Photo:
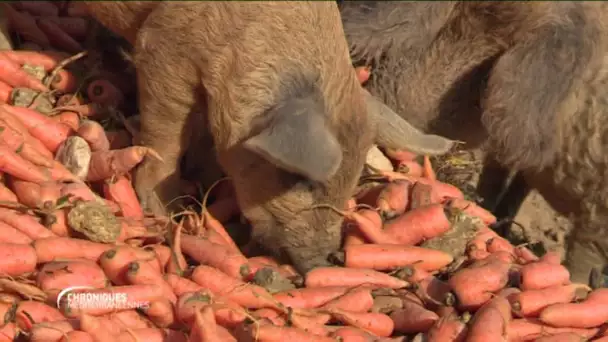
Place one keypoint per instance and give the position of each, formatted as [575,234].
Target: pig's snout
[307,258]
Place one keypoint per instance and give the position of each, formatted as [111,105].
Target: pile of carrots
[69,216]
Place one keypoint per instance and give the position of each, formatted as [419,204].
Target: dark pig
[528,81]
[290,123]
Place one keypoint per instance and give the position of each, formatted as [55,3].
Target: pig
[526,81]
[273,84]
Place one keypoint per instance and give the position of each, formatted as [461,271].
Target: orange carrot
[47,59]
[377,323]
[413,318]
[552,257]
[590,313]
[163,255]
[433,291]
[9,234]
[337,276]
[50,249]
[160,313]
[525,255]
[528,329]
[449,327]
[421,195]
[247,295]
[491,321]
[309,298]
[530,303]
[6,194]
[17,259]
[25,25]
[94,134]
[350,334]
[472,209]
[363,73]
[310,323]
[410,168]
[130,319]
[205,326]
[151,335]
[30,312]
[15,165]
[27,193]
[69,119]
[539,275]
[5,92]
[264,331]
[214,224]
[272,315]
[562,337]
[228,261]
[120,190]
[419,224]
[227,313]
[499,244]
[394,198]
[474,286]
[26,224]
[22,144]
[177,262]
[56,275]
[56,221]
[428,171]
[81,336]
[399,155]
[369,223]
[441,191]
[355,300]
[104,92]
[68,100]
[49,132]
[389,257]
[115,261]
[144,274]
[128,297]
[480,241]
[50,331]
[59,37]
[105,164]
[95,327]
[181,285]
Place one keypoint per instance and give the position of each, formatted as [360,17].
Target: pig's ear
[392,131]
[298,140]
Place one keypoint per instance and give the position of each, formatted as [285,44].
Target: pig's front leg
[165,104]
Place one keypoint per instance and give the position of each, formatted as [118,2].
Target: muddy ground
[540,223]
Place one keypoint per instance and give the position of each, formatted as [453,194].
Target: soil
[541,225]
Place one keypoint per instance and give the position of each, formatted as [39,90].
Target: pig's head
[304,156]
[473,70]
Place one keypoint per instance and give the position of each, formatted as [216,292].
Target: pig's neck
[122,17]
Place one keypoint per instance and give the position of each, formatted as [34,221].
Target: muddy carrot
[419,224]
[552,257]
[472,209]
[163,255]
[490,322]
[42,8]
[369,223]
[539,275]
[524,255]
[441,191]
[389,257]
[14,76]
[205,326]
[590,313]
[25,25]
[160,313]
[337,276]
[562,337]
[475,285]
[6,194]
[69,119]
[80,336]
[22,144]
[413,318]
[15,165]
[54,248]
[5,92]
[449,327]
[105,164]
[434,291]
[205,252]
[227,313]
[47,59]
[266,332]
[94,326]
[120,190]
[50,331]
[234,289]
[531,302]
[49,132]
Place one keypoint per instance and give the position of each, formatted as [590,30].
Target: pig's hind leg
[166,102]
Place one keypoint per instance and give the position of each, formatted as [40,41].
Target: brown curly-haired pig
[288,117]
[529,79]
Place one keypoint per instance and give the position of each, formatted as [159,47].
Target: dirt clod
[95,221]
